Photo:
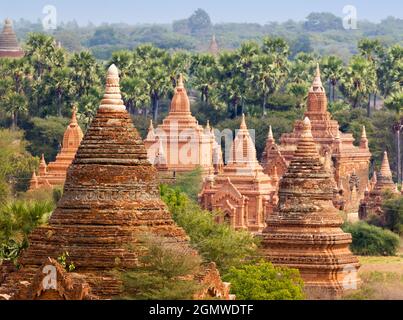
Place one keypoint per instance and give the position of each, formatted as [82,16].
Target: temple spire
[180,101]
[112,99]
[385,167]
[74,115]
[243,123]
[151,132]
[364,139]
[317,85]
[271,136]
[42,166]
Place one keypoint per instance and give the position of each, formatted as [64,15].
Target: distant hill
[320,32]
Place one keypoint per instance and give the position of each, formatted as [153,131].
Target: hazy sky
[165,11]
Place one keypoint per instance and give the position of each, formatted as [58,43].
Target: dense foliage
[16,164]
[370,240]
[17,220]
[393,211]
[263,281]
[215,242]
[166,272]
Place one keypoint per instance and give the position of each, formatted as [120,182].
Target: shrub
[371,240]
[263,281]
[393,211]
[166,272]
[215,242]
[17,220]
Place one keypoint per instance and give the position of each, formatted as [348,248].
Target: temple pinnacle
[180,83]
[243,123]
[385,167]
[270,137]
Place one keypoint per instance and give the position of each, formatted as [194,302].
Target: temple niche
[54,174]
[380,184]
[242,192]
[9,47]
[304,230]
[111,197]
[180,144]
[350,164]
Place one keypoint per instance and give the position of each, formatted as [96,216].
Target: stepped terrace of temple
[304,232]
[111,198]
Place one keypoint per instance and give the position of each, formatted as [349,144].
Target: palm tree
[395,103]
[85,72]
[14,104]
[359,80]
[203,71]
[370,50]
[333,70]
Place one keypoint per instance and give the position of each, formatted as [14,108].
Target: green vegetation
[371,240]
[393,211]
[16,164]
[166,272]
[215,242]
[262,281]
[17,220]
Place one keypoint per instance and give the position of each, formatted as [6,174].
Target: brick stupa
[381,183]
[350,163]
[111,197]
[9,47]
[54,174]
[242,192]
[304,231]
[186,144]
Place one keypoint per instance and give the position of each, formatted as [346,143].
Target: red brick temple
[381,183]
[9,47]
[242,192]
[185,144]
[304,231]
[111,197]
[54,174]
[350,163]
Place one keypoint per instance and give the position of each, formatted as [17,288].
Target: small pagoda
[111,198]
[381,183]
[213,47]
[350,163]
[304,230]
[54,174]
[242,192]
[186,145]
[9,47]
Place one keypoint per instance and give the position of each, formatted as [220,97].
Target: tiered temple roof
[242,191]
[186,144]
[9,47]
[380,183]
[304,231]
[54,174]
[350,163]
[111,197]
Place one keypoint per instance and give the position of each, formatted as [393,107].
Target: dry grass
[382,278]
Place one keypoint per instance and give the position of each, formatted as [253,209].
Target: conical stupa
[111,197]
[381,183]
[304,231]
[9,47]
